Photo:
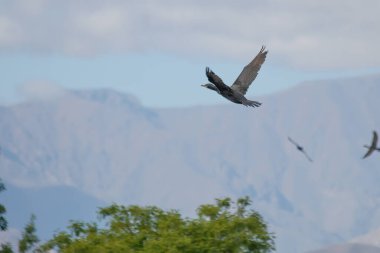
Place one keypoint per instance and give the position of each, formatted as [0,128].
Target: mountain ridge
[121,151]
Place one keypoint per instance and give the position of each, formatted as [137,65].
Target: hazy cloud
[41,90]
[11,236]
[307,34]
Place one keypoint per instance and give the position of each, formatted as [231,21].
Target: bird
[300,149]
[236,92]
[373,146]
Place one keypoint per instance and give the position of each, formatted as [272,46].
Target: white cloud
[8,32]
[35,7]
[101,23]
[305,34]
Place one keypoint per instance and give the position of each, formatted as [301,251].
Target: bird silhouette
[236,92]
[300,149]
[373,146]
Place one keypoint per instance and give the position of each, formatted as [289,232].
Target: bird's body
[300,149]
[236,92]
[373,146]
[234,96]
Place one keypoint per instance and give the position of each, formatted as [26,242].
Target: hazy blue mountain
[349,248]
[109,146]
[370,238]
[367,243]
[53,206]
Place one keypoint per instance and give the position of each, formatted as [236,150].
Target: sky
[158,50]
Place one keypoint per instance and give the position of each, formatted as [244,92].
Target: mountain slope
[108,145]
[54,207]
[370,238]
[349,248]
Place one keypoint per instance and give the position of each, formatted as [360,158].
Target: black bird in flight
[373,146]
[300,149]
[236,92]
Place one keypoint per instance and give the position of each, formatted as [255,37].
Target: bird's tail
[251,103]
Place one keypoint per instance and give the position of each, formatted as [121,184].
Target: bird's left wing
[215,79]
[290,139]
[249,73]
[370,150]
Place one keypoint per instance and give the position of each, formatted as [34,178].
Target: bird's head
[210,86]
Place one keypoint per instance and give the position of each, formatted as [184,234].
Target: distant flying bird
[236,92]
[300,149]
[373,146]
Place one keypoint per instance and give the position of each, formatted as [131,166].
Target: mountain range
[367,243]
[108,146]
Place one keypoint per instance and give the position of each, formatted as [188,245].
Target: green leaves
[3,210]
[29,237]
[6,248]
[223,227]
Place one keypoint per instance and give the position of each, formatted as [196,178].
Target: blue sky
[158,50]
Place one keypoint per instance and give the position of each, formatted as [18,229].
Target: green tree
[29,237]
[222,227]
[3,210]
[6,248]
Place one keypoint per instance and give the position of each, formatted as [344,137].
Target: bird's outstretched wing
[370,150]
[374,140]
[215,79]
[249,73]
[307,156]
[295,143]
[373,145]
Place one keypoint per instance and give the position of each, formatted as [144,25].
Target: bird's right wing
[373,145]
[374,140]
[249,73]
[215,79]
[307,156]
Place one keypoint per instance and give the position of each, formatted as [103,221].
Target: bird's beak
[203,85]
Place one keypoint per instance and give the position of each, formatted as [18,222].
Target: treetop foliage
[29,237]
[222,227]
[3,210]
